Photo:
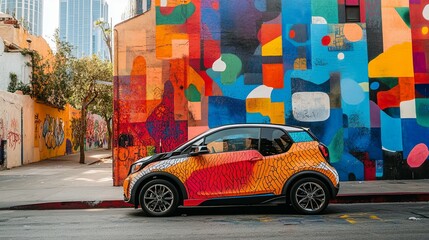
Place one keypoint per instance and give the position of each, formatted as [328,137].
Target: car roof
[238,125]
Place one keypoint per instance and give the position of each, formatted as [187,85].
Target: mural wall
[362,88]
[34,131]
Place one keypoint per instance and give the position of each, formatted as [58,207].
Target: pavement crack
[419,214]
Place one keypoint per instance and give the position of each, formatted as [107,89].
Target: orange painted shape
[270,32]
[273,75]
[406,86]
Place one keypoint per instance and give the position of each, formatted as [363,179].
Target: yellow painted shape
[273,48]
[364,86]
[264,106]
[300,64]
[196,79]
[425,30]
[373,217]
[397,61]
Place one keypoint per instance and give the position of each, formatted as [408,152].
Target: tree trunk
[82,134]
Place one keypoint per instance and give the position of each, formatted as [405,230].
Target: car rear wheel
[159,198]
[309,196]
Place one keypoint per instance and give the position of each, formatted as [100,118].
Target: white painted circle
[340,56]
[426,12]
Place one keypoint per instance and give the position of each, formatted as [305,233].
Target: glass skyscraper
[136,7]
[77,18]
[28,12]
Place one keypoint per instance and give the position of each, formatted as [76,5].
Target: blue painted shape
[375,85]
[349,165]
[391,132]
[355,94]
[261,5]
[324,131]
[374,149]
[358,139]
[238,89]
[300,137]
[296,11]
[211,20]
[257,118]
[225,110]
[413,134]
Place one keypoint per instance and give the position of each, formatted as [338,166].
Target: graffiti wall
[361,84]
[14,108]
[34,131]
[55,131]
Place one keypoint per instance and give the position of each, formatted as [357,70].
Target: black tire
[159,198]
[309,196]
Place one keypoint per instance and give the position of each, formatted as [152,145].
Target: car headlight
[136,167]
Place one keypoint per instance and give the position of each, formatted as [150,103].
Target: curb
[73,205]
[340,199]
[381,198]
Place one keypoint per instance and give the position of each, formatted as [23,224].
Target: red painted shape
[292,34]
[418,155]
[273,75]
[388,98]
[211,52]
[270,32]
[326,40]
[221,175]
[166,10]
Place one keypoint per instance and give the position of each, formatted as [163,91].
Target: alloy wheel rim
[158,198]
[310,196]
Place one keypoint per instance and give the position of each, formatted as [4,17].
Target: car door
[229,167]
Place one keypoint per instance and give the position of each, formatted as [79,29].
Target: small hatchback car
[240,164]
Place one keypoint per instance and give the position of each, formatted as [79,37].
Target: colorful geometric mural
[362,87]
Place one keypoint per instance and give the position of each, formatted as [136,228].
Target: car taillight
[325,151]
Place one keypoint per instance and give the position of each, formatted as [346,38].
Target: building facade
[76,26]
[28,12]
[356,72]
[135,8]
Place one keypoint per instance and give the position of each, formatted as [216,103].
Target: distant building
[135,8]
[28,12]
[77,18]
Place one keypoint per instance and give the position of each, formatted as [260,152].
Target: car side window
[237,139]
[274,141]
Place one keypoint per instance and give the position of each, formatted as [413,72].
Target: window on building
[352,11]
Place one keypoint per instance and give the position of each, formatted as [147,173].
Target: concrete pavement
[63,183]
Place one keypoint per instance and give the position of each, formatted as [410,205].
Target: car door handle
[255,159]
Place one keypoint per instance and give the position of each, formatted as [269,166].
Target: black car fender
[289,183]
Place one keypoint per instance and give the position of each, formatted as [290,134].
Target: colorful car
[240,164]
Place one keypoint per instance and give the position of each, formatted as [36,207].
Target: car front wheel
[309,196]
[159,198]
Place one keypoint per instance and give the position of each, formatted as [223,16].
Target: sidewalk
[63,183]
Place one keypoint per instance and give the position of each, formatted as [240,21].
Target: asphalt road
[348,221]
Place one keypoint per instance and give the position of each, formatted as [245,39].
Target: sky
[51,16]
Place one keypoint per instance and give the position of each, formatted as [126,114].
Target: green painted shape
[422,111]
[233,68]
[327,9]
[179,15]
[404,12]
[192,94]
[336,147]
[390,82]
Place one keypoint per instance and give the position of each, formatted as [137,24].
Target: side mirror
[198,150]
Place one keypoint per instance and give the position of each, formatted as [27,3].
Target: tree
[50,77]
[84,90]
[104,103]
[107,33]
